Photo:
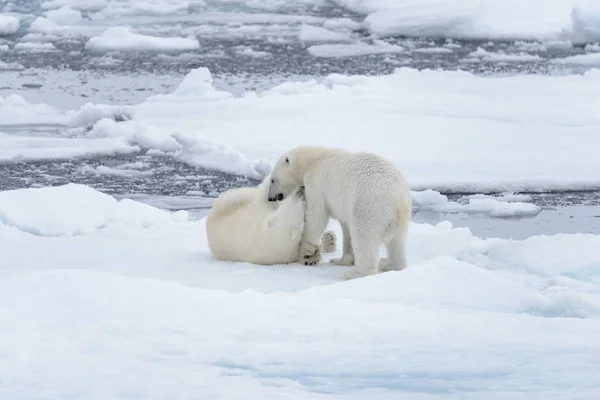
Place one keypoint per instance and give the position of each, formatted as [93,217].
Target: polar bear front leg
[316,219]
[347,253]
[290,214]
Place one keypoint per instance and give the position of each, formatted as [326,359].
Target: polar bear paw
[385,266]
[310,254]
[328,242]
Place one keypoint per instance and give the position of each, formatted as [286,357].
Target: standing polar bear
[243,226]
[364,192]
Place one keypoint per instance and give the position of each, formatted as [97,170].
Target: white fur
[364,192]
[243,226]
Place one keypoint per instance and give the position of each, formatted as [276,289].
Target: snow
[576,20]
[9,24]
[117,299]
[446,130]
[310,33]
[592,59]
[121,38]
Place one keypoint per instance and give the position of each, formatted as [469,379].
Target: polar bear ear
[287,160]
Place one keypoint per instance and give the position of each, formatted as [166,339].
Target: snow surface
[121,38]
[576,20]
[445,130]
[9,24]
[116,299]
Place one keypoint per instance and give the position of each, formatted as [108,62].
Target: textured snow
[577,20]
[9,24]
[117,299]
[123,39]
[445,130]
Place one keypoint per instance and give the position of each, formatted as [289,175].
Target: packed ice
[521,130]
[120,286]
[121,38]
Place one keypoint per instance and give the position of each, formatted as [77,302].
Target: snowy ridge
[141,297]
[449,131]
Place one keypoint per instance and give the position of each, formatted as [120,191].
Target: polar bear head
[284,179]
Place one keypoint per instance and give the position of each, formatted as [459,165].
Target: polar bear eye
[272,180]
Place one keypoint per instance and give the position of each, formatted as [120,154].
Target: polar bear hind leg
[396,256]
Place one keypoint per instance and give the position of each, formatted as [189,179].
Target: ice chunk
[72,210]
[44,25]
[9,24]
[502,56]
[336,24]
[355,49]
[505,206]
[64,16]
[576,20]
[432,50]
[591,59]
[121,38]
[585,19]
[311,33]
[417,18]
[34,47]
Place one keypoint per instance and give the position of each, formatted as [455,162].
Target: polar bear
[243,226]
[364,192]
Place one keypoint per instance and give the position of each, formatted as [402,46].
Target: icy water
[245,49]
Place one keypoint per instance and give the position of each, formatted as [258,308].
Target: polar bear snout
[279,197]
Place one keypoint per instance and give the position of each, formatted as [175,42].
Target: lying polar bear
[243,226]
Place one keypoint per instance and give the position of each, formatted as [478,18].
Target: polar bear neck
[305,158]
